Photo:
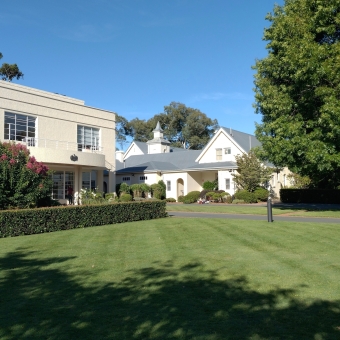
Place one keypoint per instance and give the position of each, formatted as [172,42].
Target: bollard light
[269,210]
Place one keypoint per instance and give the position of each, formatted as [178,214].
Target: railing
[63,145]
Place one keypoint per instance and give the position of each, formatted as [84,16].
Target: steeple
[158,144]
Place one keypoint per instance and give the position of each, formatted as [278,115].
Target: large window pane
[18,127]
[87,138]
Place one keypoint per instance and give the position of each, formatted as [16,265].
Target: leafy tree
[183,126]
[251,173]
[299,182]
[122,130]
[297,90]
[10,71]
[24,182]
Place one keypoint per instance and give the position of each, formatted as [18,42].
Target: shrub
[163,186]
[203,193]
[44,220]
[193,195]
[136,189]
[170,200]
[261,194]
[145,189]
[157,191]
[24,182]
[207,185]
[189,200]
[124,188]
[125,198]
[310,196]
[110,196]
[180,199]
[246,196]
[227,199]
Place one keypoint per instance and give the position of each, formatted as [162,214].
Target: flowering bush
[24,182]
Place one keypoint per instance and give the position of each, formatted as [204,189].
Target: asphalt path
[254,217]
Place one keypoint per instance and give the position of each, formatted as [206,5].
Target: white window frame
[218,154]
[93,144]
[227,184]
[29,133]
[227,151]
[168,185]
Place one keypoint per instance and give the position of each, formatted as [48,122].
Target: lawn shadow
[159,302]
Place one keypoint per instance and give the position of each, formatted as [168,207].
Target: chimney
[120,156]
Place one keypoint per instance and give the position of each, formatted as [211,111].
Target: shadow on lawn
[160,302]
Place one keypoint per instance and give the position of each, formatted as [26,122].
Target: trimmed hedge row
[45,220]
[310,196]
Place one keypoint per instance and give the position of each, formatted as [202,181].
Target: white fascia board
[129,149]
[212,140]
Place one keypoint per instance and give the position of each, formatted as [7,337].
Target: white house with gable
[185,170]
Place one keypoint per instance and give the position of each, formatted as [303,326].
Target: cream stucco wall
[57,118]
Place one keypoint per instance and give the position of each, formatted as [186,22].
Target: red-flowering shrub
[24,182]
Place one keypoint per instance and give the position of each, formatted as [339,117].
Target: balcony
[63,145]
[63,152]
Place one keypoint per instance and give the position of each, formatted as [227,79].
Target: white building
[74,140]
[185,170]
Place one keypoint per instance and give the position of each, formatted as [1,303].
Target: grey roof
[143,146]
[174,161]
[244,140]
[158,128]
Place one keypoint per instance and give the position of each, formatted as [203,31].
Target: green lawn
[173,278]
[252,210]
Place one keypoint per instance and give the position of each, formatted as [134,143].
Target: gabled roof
[245,140]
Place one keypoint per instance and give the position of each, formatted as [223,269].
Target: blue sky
[134,57]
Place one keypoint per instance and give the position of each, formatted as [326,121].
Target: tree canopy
[10,71]
[183,126]
[297,90]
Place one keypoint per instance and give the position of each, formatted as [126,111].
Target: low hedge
[310,196]
[45,220]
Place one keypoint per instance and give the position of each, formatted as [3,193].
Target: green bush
[207,185]
[180,199]
[163,186]
[189,200]
[145,189]
[125,198]
[136,189]
[310,196]
[227,199]
[170,200]
[261,194]
[246,196]
[203,193]
[124,188]
[157,191]
[45,220]
[193,195]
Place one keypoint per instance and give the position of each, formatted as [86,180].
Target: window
[143,178]
[227,183]
[218,154]
[19,127]
[89,180]
[126,179]
[61,181]
[87,138]
[227,151]
[168,185]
